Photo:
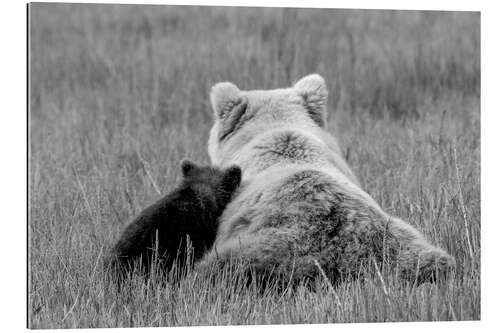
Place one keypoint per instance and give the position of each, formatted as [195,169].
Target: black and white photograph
[198,165]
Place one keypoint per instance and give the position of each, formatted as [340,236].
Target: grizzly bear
[160,233]
[300,210]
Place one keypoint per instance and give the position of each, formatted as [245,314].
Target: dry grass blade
[328,283]
[84,194]
[71,308]
[463,210]
[381,279]
[148,173]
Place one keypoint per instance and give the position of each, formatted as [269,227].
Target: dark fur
[190,211]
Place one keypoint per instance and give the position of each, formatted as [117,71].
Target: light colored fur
[299,201]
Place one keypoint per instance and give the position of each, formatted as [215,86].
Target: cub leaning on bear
[160,232]
[300,205]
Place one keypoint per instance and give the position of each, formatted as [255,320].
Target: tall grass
[119,94]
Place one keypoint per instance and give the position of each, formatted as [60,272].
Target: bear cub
[160,233]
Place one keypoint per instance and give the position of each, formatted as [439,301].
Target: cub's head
[241,115]
[212,182]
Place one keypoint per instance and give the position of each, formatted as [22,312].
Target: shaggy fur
[300,205]
[190,211]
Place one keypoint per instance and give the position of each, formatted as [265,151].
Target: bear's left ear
[313,90]
[187,167]
[229,106]
[224,96]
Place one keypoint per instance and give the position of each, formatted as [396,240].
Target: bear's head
[212,182]
[240,115]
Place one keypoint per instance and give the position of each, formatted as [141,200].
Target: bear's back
[284,187]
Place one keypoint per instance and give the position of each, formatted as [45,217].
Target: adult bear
[300,206]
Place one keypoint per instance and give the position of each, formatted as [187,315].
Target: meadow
[118,95]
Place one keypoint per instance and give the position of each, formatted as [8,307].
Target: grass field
[119,94]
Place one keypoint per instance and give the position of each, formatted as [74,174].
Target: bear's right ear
[228,105]
[312,89]
[187,167]
[232,178]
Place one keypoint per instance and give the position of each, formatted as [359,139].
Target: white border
[459,5]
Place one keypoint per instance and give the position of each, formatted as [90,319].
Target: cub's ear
[228,105]
[313,90]
[187,167]
[232,178]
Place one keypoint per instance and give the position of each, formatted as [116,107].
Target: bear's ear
[224,96]
[313,90]
[232,178]
[187,167]
[228,105]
